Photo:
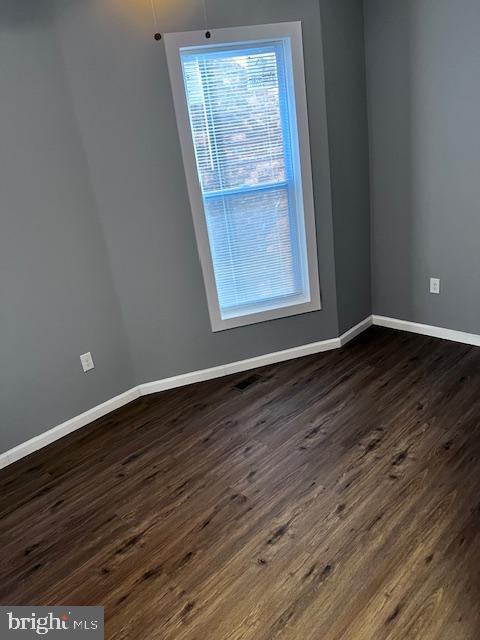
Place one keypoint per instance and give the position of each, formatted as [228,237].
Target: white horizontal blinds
[250,241]
[238,107]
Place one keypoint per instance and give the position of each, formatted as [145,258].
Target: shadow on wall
[423,94]
[18,13]
[166,12]
[393,163]
[171,15]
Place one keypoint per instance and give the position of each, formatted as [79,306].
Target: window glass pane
[238,104]
[235,112]
[250,239]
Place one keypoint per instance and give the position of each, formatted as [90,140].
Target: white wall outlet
[434,285]
[87,362]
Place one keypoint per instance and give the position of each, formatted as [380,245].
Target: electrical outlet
[434,285]
[87,362]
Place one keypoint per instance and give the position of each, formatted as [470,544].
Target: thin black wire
[205,15]
[157,35]
[154,13]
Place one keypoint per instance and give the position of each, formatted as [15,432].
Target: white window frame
[292,32]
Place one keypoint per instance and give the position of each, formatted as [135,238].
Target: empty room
[240,319]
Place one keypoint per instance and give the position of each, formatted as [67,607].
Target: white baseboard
[427,330]
[239,366]
[4,460]
[42,440]
[254,363]
[355,331]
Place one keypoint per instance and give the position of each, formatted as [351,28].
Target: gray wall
[97,250]
[423,78]
[56,292]
[123,101]
[344,47]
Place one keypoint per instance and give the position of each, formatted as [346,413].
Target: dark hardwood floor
[333,497]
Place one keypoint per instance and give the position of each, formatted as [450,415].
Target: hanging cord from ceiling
[158,35]
[205,17]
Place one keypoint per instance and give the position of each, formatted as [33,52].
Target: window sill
[221,324]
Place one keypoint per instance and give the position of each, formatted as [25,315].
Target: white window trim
[173,43]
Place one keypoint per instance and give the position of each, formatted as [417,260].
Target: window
[241,112]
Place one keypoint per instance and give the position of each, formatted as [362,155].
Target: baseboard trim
[355,331]
[254,363]
[44,439]
[239,366]
[61,430]
[427,330]
[4,460]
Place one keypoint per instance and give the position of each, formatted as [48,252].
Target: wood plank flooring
[333,497]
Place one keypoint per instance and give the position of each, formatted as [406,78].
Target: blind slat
[238,108]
